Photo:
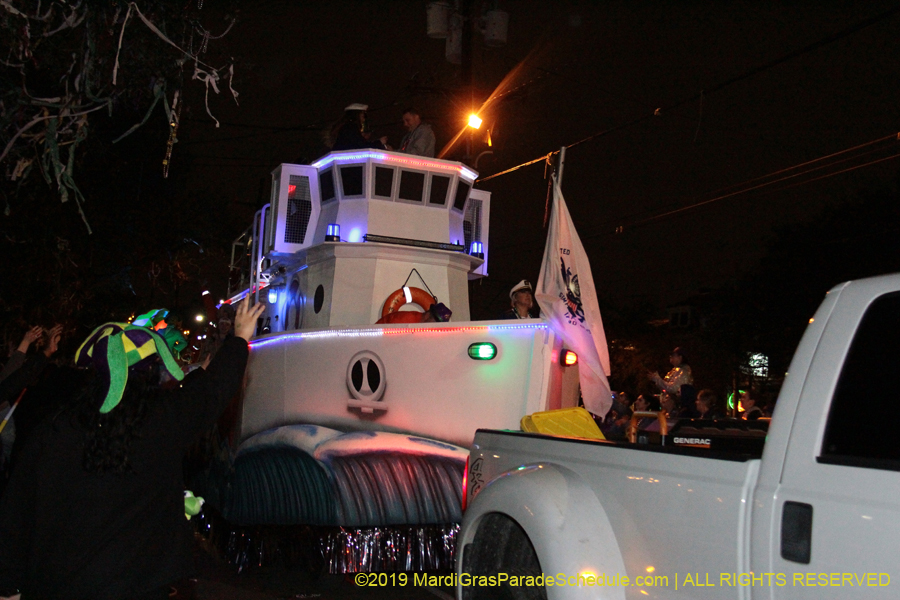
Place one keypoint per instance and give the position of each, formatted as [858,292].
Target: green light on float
[482,351]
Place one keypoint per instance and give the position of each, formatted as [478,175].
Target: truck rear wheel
[501,546]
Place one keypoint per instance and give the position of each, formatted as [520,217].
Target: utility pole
[465,7]
[455,21]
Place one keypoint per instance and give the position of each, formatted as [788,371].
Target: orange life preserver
[398,299]
[403,316]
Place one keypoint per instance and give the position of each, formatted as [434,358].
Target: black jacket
[68,533]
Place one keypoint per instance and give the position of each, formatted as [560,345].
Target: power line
[785,178]
[895,137]
[746,75]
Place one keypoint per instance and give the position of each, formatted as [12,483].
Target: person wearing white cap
[353,130]
[521,297]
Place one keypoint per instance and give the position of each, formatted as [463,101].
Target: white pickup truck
[808,509]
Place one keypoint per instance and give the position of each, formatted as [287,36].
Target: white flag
[568,299]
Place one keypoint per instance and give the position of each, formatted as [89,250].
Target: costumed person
[679,375]
[521,297]
[353,130]
[420,137]
[95,508]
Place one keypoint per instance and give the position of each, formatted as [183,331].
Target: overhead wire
[895,136]
[814,164]
[829,39]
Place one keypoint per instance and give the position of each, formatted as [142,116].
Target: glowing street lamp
[199,318]
[474,121]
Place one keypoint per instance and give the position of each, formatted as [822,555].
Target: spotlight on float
[474,121]
[273,295]
[199,318]
[482,351]
[333,233]
[568,358]
[477,250]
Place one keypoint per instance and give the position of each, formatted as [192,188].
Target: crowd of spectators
[93,447]
[677,398]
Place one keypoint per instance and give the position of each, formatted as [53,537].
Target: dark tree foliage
[91,230]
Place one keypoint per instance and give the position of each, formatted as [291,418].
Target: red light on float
[291,189]
[465,485]
[568,358]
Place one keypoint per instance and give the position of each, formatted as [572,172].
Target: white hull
[431,386]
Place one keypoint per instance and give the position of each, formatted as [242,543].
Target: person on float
[521,298]
[419,139]
[95,508]
[678,376]
[353,129]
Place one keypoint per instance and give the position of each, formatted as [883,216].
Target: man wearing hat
[354,130]
[680,374]
[521,298]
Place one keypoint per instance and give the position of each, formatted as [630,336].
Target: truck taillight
[465,485]
[568,358]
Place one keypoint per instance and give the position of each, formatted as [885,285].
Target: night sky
[579,69]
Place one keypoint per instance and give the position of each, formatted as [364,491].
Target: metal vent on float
[366,381]
[472,222]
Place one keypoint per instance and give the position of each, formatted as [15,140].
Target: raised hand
[53,336]
[245,319]
[30,336]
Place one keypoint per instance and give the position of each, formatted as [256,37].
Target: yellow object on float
[563,422]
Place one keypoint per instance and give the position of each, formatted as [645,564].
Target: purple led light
[329,333]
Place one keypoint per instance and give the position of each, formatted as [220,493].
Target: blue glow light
[273,295]
[477,248]
[402,159]
[378,332]
[333,230]
[355,235]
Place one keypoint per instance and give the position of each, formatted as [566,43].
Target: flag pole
[559,167]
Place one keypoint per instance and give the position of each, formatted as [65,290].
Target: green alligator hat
[114,348]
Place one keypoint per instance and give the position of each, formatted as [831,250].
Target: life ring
[398,299]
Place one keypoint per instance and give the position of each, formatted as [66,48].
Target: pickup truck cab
[812,510]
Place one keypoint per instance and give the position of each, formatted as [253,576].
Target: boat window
[462,194]
[864,418]
[412,184]
[439,186]
[326,185]
[352,180]
[299,209]
[384,181]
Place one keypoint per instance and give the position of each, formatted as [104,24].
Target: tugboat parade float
[361,429]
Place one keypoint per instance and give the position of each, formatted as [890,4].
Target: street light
[474,121]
